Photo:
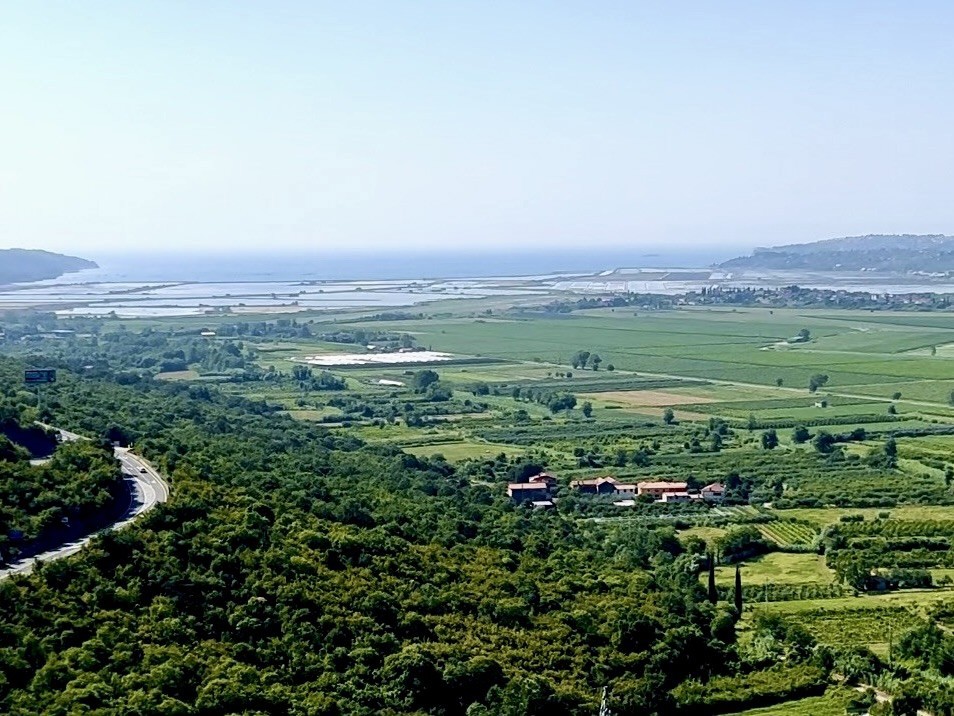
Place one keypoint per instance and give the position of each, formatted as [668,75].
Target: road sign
[39,375]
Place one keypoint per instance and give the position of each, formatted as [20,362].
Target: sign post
[38,377]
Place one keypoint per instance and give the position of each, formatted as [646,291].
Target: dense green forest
[299,572]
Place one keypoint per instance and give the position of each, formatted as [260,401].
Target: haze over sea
[324,266]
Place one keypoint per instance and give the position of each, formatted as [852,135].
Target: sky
[458,125]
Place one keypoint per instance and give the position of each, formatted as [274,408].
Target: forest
[300,572]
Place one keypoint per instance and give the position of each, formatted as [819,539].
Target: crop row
[752,593]
[785,533]
[831,420]
[857,627]
[895,528]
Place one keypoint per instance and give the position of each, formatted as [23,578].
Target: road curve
[147,488]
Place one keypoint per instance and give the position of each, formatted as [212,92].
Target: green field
[464,450]
[778,568]
[873,622]
[831,704]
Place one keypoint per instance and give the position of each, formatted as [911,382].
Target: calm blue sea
[208,268]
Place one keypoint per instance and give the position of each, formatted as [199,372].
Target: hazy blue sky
[457,124]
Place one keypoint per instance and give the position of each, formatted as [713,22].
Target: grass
[778,568]
[464,450]
[832,703]
[709,534]
[821,517]
[869,620]
[721,345]
[175,375]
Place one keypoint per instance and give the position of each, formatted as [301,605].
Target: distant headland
[24,265]
[896,253]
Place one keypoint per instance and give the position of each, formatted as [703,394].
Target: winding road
[147,488]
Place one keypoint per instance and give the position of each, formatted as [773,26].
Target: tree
[817,381]
[595,361]
[778,382]
[301,373]
[563,401]
[890,452]
[769,440]
[669,417]
[824,442]
[738,590]
[423,379]
[800,434]
[578,359]
[713,592]
[587,409]
[896,396]
[804,334]
[610,367]
[892,410]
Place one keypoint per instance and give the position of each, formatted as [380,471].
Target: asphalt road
[147,488]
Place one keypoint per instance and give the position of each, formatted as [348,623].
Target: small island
[25,265]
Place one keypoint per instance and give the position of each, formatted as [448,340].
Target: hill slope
[21,265]
[879,252]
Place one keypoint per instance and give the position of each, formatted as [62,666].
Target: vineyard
[786,592]
[786,533]
[865,626]
[894,528]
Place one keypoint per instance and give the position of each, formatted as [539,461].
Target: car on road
[142,470]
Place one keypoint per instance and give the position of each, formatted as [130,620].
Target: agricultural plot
[865,487]
[739,513]
[778,568]
[785,533]
[648,398]
[463,450]
[850,621]
[833,703]
[824,517]
[707,344]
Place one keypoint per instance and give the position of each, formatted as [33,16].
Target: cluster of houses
[538,490]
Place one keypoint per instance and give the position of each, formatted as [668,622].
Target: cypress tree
[713,592]
[738,590]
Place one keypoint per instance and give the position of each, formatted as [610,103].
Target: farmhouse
[658,489]
[544,478]
[528,491]
[602,486]
[671,497]
[713,493]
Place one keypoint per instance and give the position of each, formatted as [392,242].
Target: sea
[409,265]
[131,285]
